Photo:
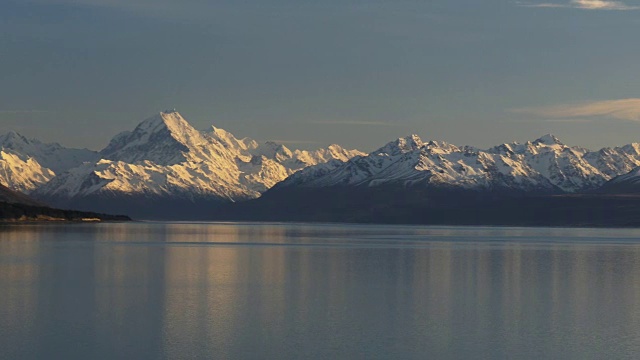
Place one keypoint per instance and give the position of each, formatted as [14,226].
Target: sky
[312,73]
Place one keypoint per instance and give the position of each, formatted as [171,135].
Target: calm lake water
[299,291]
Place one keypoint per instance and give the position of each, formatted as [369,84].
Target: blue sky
[311,73]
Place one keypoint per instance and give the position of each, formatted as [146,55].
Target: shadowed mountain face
[14,197]
[624,184]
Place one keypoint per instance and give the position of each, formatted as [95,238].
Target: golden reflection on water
[203,290]
[194,278]
[19,272]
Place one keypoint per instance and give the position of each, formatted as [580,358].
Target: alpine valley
[166,169]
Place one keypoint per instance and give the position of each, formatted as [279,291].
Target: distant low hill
[15,206]
[10,196]
[421,206]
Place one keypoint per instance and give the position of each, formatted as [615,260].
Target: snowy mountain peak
[221,133]
[401,145]
[440,145]
[230,141]
[21,172]
[548,139]
[412,141]
[14,140]
[171,121]
[166,139]
[51,157]
[338,152]
[273,150]
[633,148]
[11,136]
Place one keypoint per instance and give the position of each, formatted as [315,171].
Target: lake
[317,291]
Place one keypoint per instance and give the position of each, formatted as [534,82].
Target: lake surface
[300,291]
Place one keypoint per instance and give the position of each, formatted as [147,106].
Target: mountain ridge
[545,165]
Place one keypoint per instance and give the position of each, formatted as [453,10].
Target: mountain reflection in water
[289,291]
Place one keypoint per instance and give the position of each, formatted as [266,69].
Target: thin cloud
[160,9]
[23,111]
[623,109]
[285,142]
[553,121]
[584,5]
[121,4]
[568,121]
[353,122]
[543,5]
[602,5]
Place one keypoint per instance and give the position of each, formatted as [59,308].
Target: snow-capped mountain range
[628,183]
[545,165]
[26,164]
[163,157]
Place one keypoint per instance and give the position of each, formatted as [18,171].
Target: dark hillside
[23,212]
[415,206]
[15,206]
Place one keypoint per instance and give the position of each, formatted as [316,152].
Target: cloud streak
[622,109]
[23,111]
[159,9]
[293,142]
[584,5]
[353,122]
